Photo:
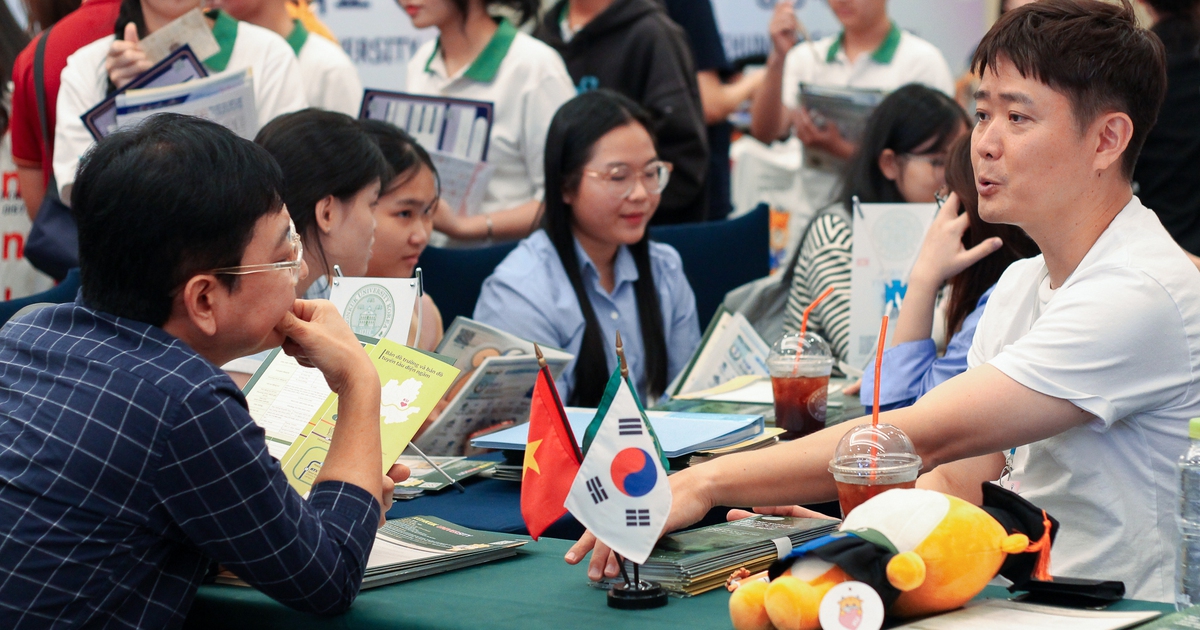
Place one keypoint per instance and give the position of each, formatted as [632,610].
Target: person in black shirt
[1167,175]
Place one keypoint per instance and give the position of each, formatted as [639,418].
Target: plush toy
[922,551]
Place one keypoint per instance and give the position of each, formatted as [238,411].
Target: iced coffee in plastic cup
[800,370]
[870,460]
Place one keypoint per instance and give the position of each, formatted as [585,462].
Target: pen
[425,457]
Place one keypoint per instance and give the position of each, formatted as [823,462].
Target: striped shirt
[824,261]
[129,465]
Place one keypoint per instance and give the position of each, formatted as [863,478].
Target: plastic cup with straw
[800,364]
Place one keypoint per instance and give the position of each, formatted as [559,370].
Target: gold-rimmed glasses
[294,264]
[622,179]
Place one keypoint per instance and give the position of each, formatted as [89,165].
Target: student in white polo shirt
[330,79]
[96,70]
[871,52]
[481,58]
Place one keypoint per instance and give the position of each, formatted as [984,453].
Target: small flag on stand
[552,457]
[621,493]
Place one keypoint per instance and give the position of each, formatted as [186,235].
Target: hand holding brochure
[412,383]
[181,66]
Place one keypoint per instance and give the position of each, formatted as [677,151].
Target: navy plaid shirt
[129,464]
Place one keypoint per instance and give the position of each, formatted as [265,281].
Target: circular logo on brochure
[370,311]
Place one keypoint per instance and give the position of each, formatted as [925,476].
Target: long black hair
[574,131]
[906,119]
[12,40]
[321,153]
[524,9]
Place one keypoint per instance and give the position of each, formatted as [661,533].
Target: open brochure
[456,132]
[730,348]
[418,546]
[298,412]
[226,99]
[180,66]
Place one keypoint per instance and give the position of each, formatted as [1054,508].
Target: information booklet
[417,546]
[700,560]
[412,383]
[424,478]
[455,131]
[729,348]
[495,386]
[180,66]
[1002,614]
[226,99]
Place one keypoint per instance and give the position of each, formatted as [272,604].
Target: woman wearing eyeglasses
[592,269]
[902,159]
[332,172]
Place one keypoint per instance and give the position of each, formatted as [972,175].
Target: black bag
[53,243]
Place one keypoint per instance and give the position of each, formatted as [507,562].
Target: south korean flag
[621,493]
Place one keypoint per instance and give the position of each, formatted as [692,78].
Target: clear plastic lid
[802,355]
[870,454]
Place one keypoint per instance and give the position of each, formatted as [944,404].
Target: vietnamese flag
[551,459]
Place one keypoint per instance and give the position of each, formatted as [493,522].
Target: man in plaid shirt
[129,465]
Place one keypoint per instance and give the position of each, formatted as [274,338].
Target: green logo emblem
[370,311]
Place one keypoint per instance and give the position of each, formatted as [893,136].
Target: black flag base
[642,595]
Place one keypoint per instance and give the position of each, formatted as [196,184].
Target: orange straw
[878,371]
[804,328]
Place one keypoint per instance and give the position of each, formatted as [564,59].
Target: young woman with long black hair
[592,269]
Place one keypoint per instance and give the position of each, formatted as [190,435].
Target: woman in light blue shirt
[592,270]
[970,255]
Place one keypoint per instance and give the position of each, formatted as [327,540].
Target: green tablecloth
[534,590]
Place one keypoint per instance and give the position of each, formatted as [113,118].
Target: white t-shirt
[526,81]
[278,86]
[901,59]
[330,79]
[18,278]
[1121,340]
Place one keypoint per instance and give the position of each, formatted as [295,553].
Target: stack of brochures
[696,561]
[424,478]
[678,433]
[417,546]
[769,437]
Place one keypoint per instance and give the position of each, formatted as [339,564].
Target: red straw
[804,319]
[878,371]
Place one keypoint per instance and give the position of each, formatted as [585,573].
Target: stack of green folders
[693,562]
[424,478]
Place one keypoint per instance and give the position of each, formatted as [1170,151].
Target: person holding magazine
[97,70]
[592,269]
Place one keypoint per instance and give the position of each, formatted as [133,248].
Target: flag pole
[562,416]
[621,357]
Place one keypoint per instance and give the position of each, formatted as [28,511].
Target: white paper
[284,398]
[191,28]
[226,99]
[499,390]
[996,614]
[378,308]
[734,349]
[463,182]
[887,239]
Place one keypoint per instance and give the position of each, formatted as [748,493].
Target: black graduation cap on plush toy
[922,551]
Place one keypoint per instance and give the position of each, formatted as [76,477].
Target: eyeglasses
[621,180]
[294,265]
[936,160]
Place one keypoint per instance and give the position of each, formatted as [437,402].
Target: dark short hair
[907,118]
[159,203]
[321,153]
[401,151]
[1091,51]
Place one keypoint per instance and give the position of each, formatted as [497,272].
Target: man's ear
[200,296]
[889,165]
[328,214]
[1113,131]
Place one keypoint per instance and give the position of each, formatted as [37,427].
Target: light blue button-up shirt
[911,369]
[529,295]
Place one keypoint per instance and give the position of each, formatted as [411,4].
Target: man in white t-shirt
[1085,360]
[870,53]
